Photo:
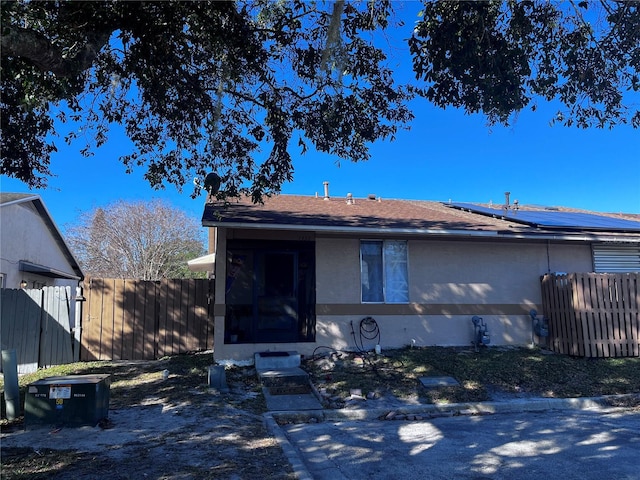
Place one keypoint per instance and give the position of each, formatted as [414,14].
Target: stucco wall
[456,272]
[449,282]
[24,236]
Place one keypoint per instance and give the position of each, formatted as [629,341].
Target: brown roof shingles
[310,212]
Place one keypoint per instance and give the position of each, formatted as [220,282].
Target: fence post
[11,388]
[77,323]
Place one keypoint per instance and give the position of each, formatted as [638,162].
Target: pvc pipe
[11,388]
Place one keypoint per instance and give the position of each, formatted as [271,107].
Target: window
[383,271]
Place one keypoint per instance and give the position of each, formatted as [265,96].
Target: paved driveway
[566,445]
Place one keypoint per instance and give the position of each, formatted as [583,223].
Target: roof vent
[350,200]
[326,190]
[371,196]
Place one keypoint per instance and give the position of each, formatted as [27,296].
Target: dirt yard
[179,429]
[183,432]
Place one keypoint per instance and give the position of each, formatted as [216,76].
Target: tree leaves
[205,86]
[224,86]
[496,57]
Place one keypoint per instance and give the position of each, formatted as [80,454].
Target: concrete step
[276,360]
[291,403]
[288,389]
[283,378]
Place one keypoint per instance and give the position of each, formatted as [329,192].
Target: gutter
[434,232]
[25,266]
[321,228]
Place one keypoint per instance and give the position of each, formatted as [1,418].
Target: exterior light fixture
[23,284]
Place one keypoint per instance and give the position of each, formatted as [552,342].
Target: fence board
[581,316]
[589,292]
[625,315]
[602,348]
[634,313]
[163,295]
[192,339]
[172,334]
[20,326]
[36,324]
[90,341]
[184,317]
[147,319]
[55,343]
[593,315]
[127,294]
[615,337]
[149,328]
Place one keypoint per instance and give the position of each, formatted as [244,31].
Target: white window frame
[385,272]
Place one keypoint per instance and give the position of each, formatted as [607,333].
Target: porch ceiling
[205,263]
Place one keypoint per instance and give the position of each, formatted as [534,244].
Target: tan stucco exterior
[449,282]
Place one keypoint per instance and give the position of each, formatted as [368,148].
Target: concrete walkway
[300,429]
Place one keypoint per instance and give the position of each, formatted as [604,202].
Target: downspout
[77,325]
[548,257]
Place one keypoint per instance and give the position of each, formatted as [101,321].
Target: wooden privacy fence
[593,314]
[145,320]
[36,324]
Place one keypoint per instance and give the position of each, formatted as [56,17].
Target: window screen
[383,271]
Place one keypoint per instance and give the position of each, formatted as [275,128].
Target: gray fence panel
[35,323]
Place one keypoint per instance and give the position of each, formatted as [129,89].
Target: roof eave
[546,236]
[53,228]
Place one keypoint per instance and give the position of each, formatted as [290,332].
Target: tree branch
[38,50]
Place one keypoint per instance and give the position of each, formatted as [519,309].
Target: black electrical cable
[368,330]
[331,351]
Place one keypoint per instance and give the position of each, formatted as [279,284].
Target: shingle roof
[312,213]
[316,212]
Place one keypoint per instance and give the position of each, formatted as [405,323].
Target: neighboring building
[301,273]
[33,252]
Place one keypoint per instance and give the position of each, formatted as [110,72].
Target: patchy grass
[140,382]
[244,448]
[27,463]
[485,375]
[250,452]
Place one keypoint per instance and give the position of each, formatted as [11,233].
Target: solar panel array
[554,219]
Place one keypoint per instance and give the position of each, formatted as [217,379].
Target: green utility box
[71,400]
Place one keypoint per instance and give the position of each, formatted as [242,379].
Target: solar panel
[554,219]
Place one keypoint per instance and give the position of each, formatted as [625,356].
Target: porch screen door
[277,302]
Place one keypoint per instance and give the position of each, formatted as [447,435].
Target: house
[34,253]
[307,273]
[40,281]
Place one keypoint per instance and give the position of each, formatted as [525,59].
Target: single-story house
[39,280]
[34,253]
[305,273]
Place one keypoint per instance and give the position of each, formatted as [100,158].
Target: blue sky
[446,155]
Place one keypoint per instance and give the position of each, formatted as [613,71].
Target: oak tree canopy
[241,88]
